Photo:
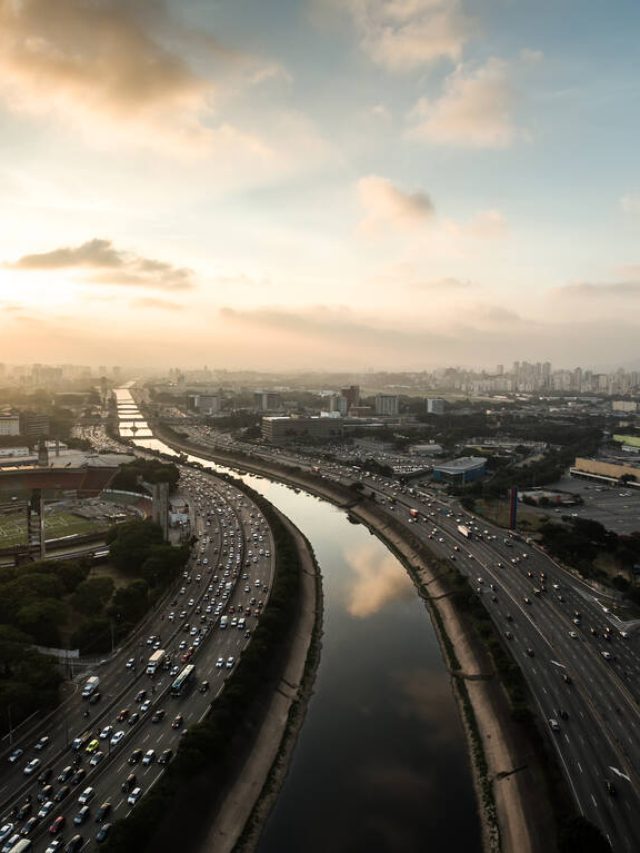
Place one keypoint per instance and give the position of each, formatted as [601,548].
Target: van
[224,621]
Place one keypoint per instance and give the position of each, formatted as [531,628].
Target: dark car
[142,695]
[103,812]
[566,678]
[62,793]
[24,811]
[204,687]
[44,777]
[133,719]
[103,833]
[177,721]
[45,793]
[78,776]
[136,756]
[157,716]
[29,826]
[129,783]
[82,816]
[95,698]
[75,844]
[165,757]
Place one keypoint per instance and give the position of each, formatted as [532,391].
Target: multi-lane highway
[206,621]
[581,663]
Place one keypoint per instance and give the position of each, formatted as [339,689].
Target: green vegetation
[209,754]
[150,470]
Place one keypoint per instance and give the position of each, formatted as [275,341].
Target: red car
[58,825]
[123,715]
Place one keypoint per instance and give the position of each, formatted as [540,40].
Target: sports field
[13,527]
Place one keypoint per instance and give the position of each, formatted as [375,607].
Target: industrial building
[466,469]
[598,468]
[278,430]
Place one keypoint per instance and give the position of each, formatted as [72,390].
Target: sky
[329,184]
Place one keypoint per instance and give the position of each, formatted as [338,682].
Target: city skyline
[402,184]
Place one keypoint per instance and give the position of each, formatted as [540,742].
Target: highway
[229,574]
[580,662]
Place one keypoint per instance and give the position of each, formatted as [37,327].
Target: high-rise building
[352,395]
[387,405]
[436,406]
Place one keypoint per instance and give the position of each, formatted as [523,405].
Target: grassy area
[13,528]
[497,512]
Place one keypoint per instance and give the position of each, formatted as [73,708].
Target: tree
[41,619]
[130,602]
[92,595]
[130,543]
[578,833]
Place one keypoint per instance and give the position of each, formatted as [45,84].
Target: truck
[463,530]
[155,661]
[90,687]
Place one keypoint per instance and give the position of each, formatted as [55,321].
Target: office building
[267,401]
[436,406]
[9,424]
[34,425]
[387,405]
[351,395]
[282,430]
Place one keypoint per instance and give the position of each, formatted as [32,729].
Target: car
[54,845]
[78,776]
[230,662]
[566,678]
[134,796]
[44,777]
[204,687]
[32,766]
[165,757]
[149,757]
[136,756]
[6,830]
[606,655]
[16,755]
[92,746]
[103,833]
[95,698]
[123,714]
[74,844]
[11,842]
[131,663]
[62,793]
[129,783]
[554,725]
[29,826]
[133,719]
[141,696]
[45,808]
[526,599]
[145,706]
[106,732]
[46,793]
[57,825]
[177,721]
[42,743]
[530,652]
[103,812]
[175,670]
[86,796]
[82,816]
[96,758]
[117,737]
[573,635]
[158,715]
[508,635]
[25,810]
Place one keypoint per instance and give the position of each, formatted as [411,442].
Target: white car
[149,757]
[117,737]
[105,733]
[5,831]
[86,796]
[230,662]
[145,706]
[220,663]
[45,808]
[134,796]
[96,758]
[32,766]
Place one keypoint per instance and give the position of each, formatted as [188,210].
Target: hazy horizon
[328,185]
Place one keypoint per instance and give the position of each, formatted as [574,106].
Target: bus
[22,846]
[182,682]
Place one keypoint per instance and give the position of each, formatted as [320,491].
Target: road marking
[580,767]
[619,773]
[557,663]
[595,802]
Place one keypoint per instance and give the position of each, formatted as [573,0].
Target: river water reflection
[381,762]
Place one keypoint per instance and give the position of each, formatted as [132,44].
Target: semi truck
[463,530]
[155,661]
[90,687]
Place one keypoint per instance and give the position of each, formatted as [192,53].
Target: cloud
[631,204]
[444,285]
[161,304]
[385,205]
[601,290]
[473,112]
[112,266]
[377,580]
[405,35]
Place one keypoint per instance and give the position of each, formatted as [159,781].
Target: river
[381,761]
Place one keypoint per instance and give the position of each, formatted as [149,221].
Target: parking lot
[617,507]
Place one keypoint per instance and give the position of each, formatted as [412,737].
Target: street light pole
[10,726]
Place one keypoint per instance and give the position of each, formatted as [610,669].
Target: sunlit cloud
[404,35]
[111,266]
[386,205]
[378,579]
[474,110]
[601,290]
[160,304]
